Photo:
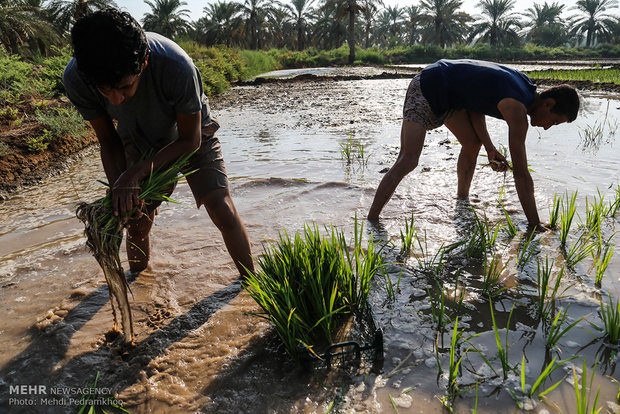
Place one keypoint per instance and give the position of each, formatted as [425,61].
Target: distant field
[592,75]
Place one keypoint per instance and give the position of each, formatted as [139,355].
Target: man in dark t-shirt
[144,98]
[459,94]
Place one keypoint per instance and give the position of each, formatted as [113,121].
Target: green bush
[62,122]
[14,71]
[39,143]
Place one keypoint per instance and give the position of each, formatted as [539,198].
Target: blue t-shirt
[170,85]
[474,85]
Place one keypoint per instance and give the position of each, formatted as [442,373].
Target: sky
[137,8]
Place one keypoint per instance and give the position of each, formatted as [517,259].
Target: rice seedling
[438,307]
[566,216]
[558,328]
[530,390]
[528,247]
[502,350]
[614,204]
[554,213]
[509,228]
[491,276]
[432,262]
[92,399]
[481,238]
[595,212]
[393,403]
[604,253]
[610,314]
[305,284]
[361,154]
[580,249]
[454,361]
[104,233]
[546,293]
[583,392]
[407,237]
[390,288]
[346,150]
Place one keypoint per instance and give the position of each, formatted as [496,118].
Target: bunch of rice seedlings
[502,349]
[610,314]
[492,274]
[306,283]
[596,212]
[530,390]
[481,238]
[580,249]
[104,233]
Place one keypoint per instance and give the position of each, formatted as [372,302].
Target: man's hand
[497,161]
[125,193]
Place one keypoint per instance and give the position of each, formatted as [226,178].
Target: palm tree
[413,21]
[21,23]
[594,21]
[301,12]
[369,9]
[545,26]
[166,17]
[350,10]
[222,24]
[390,25]
[280,28]
[329,29]
[498,24]
[442,22]
[64,13]
[255,14]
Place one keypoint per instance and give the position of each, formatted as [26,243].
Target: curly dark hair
[566,100]
[108,45]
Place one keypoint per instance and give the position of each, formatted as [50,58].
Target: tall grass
[303,284]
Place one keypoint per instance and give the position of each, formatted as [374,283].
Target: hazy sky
[138,8]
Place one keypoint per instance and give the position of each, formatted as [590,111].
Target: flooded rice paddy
[199,349]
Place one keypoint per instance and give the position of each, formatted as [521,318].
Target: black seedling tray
[365,346]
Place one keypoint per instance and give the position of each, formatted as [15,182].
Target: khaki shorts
[207,164]
[417,108]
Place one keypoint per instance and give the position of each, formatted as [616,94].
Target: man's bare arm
[515,115]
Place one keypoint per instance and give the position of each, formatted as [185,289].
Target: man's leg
[412,137]
[138,242]
[221,209]
[460,125]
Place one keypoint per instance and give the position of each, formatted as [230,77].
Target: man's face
[123,90]
[544,118]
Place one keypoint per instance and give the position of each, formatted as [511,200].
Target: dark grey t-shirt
[170,84]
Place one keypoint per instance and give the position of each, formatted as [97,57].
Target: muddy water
[199,349]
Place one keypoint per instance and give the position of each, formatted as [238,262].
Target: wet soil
[21,167]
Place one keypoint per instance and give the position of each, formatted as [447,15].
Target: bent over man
[144,98]
[459,94]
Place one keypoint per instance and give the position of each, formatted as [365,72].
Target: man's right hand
[125,193]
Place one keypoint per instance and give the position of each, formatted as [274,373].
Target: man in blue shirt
[459,94]
[144,98]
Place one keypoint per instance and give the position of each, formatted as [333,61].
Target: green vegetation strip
[592,75]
